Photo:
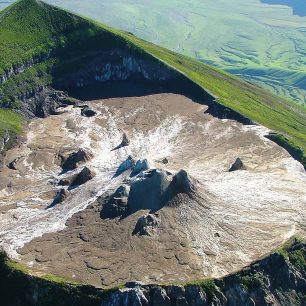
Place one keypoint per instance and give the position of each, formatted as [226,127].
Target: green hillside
[51,37]
[246,37]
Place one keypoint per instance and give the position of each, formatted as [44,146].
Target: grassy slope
[247,37]
[29,28]
[10,122]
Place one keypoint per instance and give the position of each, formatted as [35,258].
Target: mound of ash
[237,165]
[75,159]
[146,189]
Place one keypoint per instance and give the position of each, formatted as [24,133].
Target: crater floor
[233,219]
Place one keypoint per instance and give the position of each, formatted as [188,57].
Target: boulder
[64,182]
[83,177]
[75,159]
[60,197]
[237,165]
[88,112]
[124,143]
[182,183]
[147,225]
[13,164]
[125,140]
[129,163]
[160,297]
[116,205]
[141,165]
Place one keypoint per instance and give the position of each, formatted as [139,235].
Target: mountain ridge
[244,98]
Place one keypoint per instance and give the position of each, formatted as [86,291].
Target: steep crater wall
[279,279]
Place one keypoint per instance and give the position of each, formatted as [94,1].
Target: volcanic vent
[143,189]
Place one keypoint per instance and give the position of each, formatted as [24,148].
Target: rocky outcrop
[149,190]
[13,164]
[128,164]
[43,101]
[140,166]
[146,188]
[116,64]
[124,143]
[60,197]
[116,205]
[147,225]
[17,69]
[83,177]
[75,159]
[237,165]
[87,112]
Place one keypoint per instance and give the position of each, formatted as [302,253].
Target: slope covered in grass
[48,37]
[241,36]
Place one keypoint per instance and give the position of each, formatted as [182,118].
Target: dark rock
[84,176]
[75,159]
[177,295]
[129,163]
[160,297]
[64,182]
[133,284]
[165,161]
[88,112]
[146,225]
[13,164]
[60,197]
[116,205]
[237,165]
[141,165]
[127,297]
[125,140]
[124,143]
[182,183]
[42,102]
[196,296]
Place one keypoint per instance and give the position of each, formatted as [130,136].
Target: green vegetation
[262,43]
[296,256]
[10,126]
[208,285]
[251,282]
[31,29]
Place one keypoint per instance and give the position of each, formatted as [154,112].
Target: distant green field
[262,43]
